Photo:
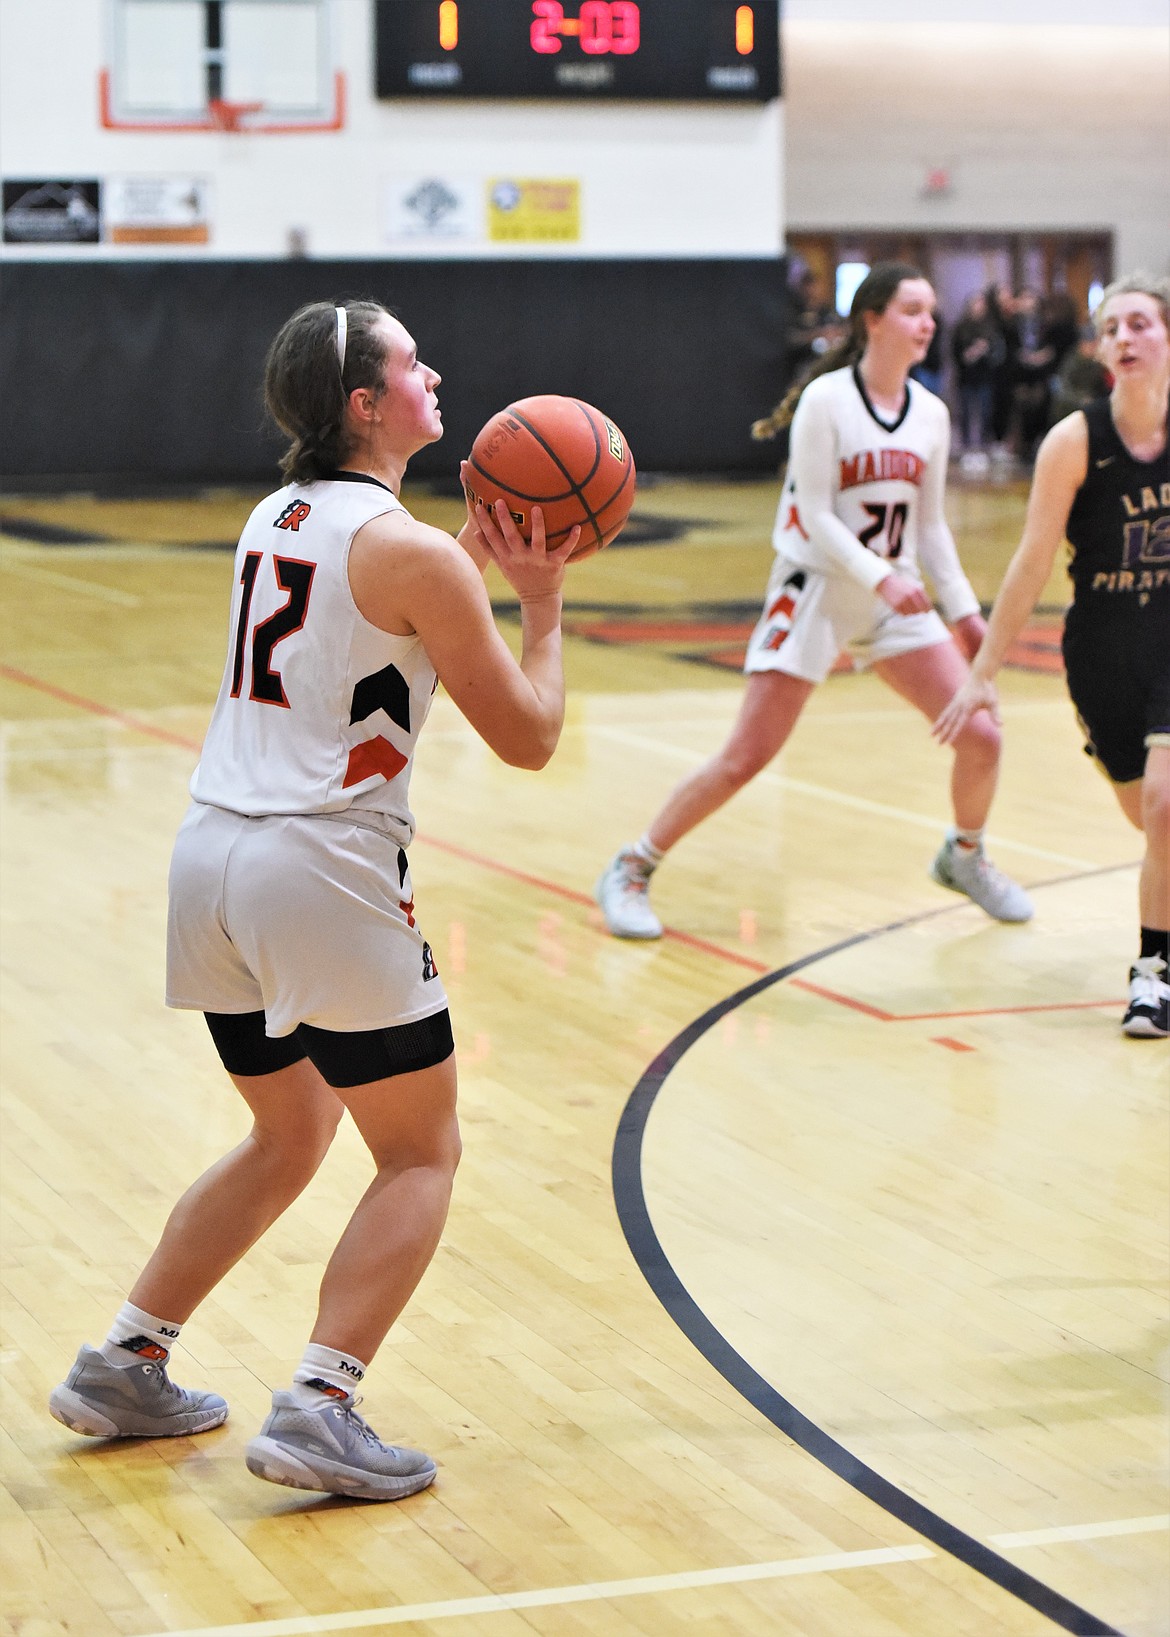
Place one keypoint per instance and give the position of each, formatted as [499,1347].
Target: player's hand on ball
[529,566]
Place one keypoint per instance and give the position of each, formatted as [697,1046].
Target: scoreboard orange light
[745,30]
[448,25]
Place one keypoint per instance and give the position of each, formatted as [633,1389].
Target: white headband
[342,337]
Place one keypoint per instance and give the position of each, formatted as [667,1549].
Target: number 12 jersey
[318,710]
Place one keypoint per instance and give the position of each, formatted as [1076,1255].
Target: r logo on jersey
[293,515]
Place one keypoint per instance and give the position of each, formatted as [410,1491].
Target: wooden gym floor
[806,1273]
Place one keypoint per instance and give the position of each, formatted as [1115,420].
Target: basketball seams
[574,487]
[591,514]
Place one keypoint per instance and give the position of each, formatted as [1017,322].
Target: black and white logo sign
[52,212]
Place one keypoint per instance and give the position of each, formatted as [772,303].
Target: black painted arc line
[634,1216]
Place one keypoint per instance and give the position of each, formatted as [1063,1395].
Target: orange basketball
[562,455]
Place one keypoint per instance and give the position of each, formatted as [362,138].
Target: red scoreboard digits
[601,26]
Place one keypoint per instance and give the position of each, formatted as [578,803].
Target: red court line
[1007,1011]
[138,725]
[951,1045]
[95,709]
[702,945]
[844,1000]
[940,1017]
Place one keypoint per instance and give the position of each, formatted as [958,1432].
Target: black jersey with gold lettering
[1119,529]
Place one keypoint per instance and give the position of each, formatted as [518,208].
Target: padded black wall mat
[150,371]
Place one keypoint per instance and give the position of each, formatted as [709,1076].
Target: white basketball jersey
[318,710]
[877,470]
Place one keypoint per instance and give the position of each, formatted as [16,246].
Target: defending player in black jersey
[1103,482]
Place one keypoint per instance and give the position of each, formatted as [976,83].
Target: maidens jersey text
[881,466]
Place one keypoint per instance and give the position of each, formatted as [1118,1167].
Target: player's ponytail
[320,355]
[873,295]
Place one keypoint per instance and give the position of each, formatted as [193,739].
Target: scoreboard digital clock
[676,50]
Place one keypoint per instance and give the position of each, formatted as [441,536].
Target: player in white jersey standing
[861,509]
[292,922]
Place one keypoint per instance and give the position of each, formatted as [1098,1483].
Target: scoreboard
[580,50]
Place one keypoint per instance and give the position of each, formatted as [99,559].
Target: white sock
[325,1373]
[968,838]
[135,1335]
[649,854]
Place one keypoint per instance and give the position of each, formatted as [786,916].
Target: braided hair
[320,355]
[873,295]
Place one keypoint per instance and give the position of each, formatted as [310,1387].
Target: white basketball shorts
[309,918]
[809,618]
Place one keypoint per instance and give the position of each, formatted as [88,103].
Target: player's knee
[1156,810]
[448,1149]
[739,762]
[294,1148]
[981,739]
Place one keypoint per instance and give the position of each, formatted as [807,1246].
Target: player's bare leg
[929,678]
[771,705]
[410,1126]
[295,1115]
[314,1437]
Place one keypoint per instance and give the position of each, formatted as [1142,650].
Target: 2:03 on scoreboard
[665,50]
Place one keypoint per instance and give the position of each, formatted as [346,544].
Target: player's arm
[407,577]
[1061,466]
[939,555]
[811,459]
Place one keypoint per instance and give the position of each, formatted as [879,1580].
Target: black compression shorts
[343,1059]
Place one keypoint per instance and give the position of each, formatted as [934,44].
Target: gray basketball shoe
[140,1401]
[332,1448]
[623,893]
[969,870]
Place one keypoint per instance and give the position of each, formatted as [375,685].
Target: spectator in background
[1001,309]
[814,325]
[1048,330]
[1081,378]
[930,371]
[978,350]
[1033,365]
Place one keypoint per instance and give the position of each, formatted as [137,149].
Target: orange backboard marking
[223,116]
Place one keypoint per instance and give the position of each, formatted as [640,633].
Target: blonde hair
[1135,284]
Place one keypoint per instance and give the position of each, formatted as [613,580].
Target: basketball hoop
[227,116]
[223,116]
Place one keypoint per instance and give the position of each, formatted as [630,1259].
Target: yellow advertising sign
[534,210]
